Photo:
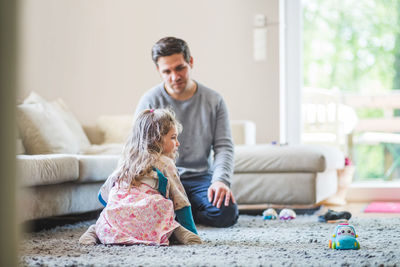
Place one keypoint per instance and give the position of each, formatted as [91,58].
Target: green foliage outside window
[354,46]
[370,162]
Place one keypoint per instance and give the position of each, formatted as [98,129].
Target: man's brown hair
[168,46]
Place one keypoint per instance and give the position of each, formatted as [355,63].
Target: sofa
[61,164]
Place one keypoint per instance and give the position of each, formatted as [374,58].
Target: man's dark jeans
[203,211]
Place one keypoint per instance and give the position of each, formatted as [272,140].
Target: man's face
[175,72]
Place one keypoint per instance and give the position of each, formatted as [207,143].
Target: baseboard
[275,206]
[257,209]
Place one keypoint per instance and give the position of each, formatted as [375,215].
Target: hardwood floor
[357,210]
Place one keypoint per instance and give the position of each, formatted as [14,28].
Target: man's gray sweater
[205,122]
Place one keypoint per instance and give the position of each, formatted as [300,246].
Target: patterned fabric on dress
[175,190]
[141,215]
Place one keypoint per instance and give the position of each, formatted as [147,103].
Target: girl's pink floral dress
[139,215]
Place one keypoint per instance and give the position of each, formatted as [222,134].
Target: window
[352,49]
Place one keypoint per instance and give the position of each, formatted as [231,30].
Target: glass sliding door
[351,52]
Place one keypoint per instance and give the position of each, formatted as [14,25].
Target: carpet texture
[251,242]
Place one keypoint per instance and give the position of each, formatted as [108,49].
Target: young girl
[143,195]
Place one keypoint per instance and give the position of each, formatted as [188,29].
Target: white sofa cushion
[103,149]
[34,170]
[48,128]
[72,122]
[296,158]
[96,167]
[43,131]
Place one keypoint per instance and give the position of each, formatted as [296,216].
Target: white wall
[95,54]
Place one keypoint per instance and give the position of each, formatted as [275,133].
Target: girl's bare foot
[89,237]
[186,237]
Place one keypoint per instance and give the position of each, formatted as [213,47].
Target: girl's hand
[220,191]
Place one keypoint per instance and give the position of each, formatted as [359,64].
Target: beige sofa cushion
[19,146]
[115,128]
[96,167]
[48,128]
[283,188]
[72,122]
[296,158]
[20,149]
[46,169]
[59,199]
[104,149]
[243,132]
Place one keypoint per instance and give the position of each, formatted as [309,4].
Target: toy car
[270,214]
[287,214]
[344,237]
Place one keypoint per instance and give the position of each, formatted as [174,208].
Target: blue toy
[344,237]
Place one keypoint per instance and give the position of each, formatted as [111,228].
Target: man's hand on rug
[220,191]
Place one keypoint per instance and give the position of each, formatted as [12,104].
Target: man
[205,121]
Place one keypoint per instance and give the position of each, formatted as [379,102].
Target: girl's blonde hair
[145,144]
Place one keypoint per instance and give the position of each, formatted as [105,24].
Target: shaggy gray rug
[251,242]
